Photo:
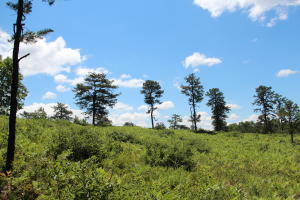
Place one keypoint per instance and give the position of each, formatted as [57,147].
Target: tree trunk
[152,121]
[195,116]
[292,137]
[14,89]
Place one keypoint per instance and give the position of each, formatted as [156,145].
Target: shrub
[175,155]
[121,137]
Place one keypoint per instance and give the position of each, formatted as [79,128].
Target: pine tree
[265,99]
[194,91]
[5,87]
[174,121]
[95,95]
[62,112]
[22,8]
[152,94]
[219,109]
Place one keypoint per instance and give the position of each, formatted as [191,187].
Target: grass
[60,160]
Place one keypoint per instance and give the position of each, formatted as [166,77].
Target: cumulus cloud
[5,46]
[166,105]
[252,117]
[140,119]
[198,59]
[83,71]
[256,9]
[49,95]
[234,106]
[62,88]
[122,107]
[129,83]
[46,57]
[286,72]
[233,117]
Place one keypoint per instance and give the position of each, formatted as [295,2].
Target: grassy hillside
[60,160]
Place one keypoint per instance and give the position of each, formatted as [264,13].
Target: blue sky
[234,45]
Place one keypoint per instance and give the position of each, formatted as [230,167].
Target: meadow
[62,160]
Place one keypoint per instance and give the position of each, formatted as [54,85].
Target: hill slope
[61,160]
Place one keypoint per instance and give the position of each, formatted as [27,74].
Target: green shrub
[174,155]
[121,137]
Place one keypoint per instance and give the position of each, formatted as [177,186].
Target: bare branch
[23,57]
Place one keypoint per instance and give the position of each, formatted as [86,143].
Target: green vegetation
[62,160]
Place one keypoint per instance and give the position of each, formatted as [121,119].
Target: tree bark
[151,113]
[14,88]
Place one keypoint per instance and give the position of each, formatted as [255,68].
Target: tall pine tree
[95,96]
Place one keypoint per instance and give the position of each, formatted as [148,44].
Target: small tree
[174,121]
[95,95]
[194,91]
[37,114]
[218,107]
[5,87]
[291,113]
[129,124]
[265,99]
[160,126]
[152,92]
[62,112]
[82,122]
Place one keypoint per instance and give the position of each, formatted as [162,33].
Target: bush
[121,137]
[175,155]
[82,143]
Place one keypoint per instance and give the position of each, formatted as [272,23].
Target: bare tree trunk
[151,113]
[14,88]
[195,116]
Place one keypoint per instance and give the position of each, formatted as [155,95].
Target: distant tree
[265,99]
[129,124]
[280,111]
[95,95]
[82,122]
[62,112]
[291,114]
[37,114]
[5,87]
[194,90]
[182,127]
[219,109]
[103,121]
[22,8]
[160,126]
[152,94]
[174,121]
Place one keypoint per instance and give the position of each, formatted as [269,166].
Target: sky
[233,45]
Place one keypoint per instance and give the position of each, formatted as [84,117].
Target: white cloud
[234,106]
[166,105]
[5,46]
[129,83]
[143,107]
[256,9]
[62,88]
[49,109]
[198,59]
[45,57]
[49,95]
[48,57]
[252,117]
[125,76]
[286,72]
[122,107]
[140,119]
[233,117]
[83,71]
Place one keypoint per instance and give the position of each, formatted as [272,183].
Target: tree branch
[23,57]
